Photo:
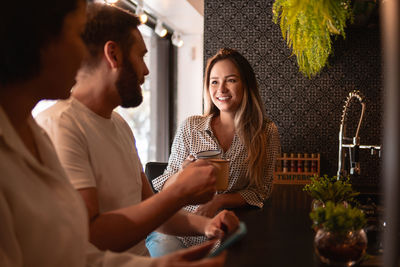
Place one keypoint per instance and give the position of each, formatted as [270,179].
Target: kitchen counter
[280,233]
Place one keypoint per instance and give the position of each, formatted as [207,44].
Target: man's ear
[112,52]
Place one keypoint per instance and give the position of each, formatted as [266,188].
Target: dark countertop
[280,233]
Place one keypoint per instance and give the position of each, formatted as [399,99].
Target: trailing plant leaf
[338,218]
[327,189]
[307,26]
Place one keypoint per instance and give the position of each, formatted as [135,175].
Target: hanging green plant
[307,26]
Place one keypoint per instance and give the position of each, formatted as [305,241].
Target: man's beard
[128,86]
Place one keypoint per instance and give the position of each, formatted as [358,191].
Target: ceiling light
[176,39]
[110,1]
[159,29]
[140,13]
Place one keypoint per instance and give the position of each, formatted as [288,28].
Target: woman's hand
[223,223]
[208,209]
[192,257]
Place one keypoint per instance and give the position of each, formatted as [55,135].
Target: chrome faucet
[353,144]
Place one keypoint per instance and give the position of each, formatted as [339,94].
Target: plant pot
[340,249]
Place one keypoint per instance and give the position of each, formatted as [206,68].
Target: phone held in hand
[225,243]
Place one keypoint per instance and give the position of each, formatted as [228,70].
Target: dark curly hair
[25,28]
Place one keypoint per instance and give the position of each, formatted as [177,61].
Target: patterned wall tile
[306,111]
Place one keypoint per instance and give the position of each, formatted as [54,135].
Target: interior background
[306,111]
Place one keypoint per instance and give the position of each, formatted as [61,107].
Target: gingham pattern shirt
[195,135]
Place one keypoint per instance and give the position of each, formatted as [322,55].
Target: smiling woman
[234,123]
[225,87]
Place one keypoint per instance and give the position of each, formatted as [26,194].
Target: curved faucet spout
[355,94]
[354,148]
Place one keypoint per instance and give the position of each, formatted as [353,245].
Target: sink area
[371,203]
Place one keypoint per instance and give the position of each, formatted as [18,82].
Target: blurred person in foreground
[43,218]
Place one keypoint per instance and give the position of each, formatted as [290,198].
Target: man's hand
[192,257]
[223,223]
[196,183]
[188,160]
[208,209]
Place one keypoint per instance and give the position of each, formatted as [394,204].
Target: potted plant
[324,189]
[340,239]
[307,27]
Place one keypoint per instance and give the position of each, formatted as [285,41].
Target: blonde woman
[235,123]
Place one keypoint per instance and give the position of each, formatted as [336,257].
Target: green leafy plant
[307,27]
[327,189]
[338,218]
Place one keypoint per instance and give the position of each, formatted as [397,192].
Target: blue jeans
[160,244]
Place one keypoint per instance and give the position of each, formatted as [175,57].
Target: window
[139,118]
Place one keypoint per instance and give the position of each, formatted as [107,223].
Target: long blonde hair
[250,116]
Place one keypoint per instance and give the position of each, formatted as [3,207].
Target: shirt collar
[205,125]
[14,142]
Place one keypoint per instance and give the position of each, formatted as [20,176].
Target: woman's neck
[226,120]
[224,130]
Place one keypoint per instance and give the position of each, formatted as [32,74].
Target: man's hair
[26,28]
[107,23]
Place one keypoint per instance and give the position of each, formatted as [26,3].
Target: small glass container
[336,249]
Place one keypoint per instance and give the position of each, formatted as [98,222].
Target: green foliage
[307,26]
[338,218]
[327,189]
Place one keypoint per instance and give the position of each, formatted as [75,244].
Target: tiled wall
[307,111]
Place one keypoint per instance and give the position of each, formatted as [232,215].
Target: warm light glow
[176,39]
[160,30]
[163,33]
[111,1]
[143,18]
[141,14]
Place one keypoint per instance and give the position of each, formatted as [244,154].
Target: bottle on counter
[314,163]
[293,163]
[306,163]
[279,163]
[299,163]
[285,163]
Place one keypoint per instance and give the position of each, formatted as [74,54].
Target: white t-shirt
[43,219]
[96,152]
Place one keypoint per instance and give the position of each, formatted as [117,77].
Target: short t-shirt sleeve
[71,149]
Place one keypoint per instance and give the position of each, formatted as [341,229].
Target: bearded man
[97,148]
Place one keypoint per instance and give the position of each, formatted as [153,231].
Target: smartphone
[228,241]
